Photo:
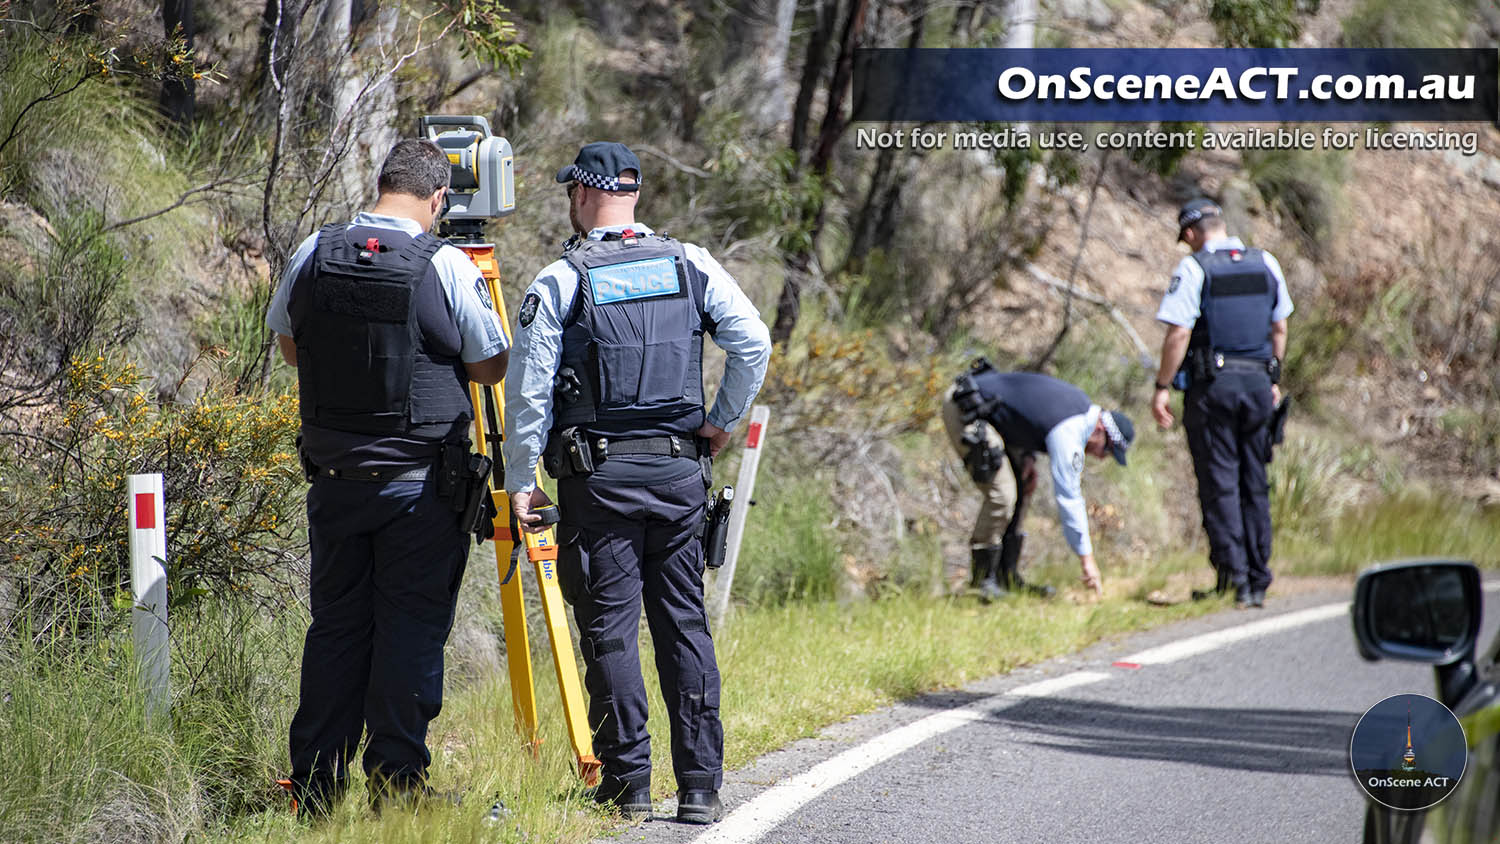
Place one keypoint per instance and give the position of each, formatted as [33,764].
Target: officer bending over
[608,375]
[1225,312]
[386,325]
[997,422]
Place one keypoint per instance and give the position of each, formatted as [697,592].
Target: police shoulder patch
[482,287]
[1176,283]
[528,308]
[1078,461]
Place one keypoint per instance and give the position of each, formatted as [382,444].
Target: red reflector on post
[752,437]
[145,511]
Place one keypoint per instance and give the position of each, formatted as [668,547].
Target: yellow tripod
[541,550]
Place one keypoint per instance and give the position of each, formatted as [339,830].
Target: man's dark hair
[414,167]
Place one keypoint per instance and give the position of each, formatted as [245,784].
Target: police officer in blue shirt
[606,388]
[1226,311]
[386,325]
[1028,413]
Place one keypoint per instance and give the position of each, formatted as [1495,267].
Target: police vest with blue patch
[377,349]
[633,339]
[1239,296]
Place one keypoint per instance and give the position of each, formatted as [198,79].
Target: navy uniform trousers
[622,546]
[1230,442]
[387,560]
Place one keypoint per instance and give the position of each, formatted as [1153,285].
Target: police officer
[607,381]
[386,325]
[1226,311]
[998,421]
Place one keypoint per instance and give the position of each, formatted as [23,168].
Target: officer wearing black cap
[998,421]
[1226,311]
[386,325]
[606,389]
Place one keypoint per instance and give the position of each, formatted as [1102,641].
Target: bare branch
[676,165]
[181,201]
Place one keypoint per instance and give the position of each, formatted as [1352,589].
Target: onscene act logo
[1408,752]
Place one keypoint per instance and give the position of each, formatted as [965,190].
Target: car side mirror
[1418,611]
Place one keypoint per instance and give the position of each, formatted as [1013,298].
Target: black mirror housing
[1425,610]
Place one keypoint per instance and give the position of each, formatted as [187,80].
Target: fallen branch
[1147,360]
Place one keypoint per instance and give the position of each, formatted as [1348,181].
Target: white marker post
[739,509]
[148,585]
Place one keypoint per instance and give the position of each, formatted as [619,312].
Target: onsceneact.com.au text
[1253,83]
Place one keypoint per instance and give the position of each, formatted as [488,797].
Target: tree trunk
[179,92]
[834,122]
[1020,24]
[812,73]
[876,221]
[789,306]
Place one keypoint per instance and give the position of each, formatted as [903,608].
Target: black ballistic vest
[1239,295]
[377,348]
[1028,405]
[634,340]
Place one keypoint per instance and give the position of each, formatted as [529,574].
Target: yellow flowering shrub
[233,496]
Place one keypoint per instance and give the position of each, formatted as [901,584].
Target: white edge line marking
[1206,642]
[777,803]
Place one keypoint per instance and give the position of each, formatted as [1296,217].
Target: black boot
[986,559]
[1010,575]
[1221,585]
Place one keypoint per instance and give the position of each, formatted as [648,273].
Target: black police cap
[600,164]
[1194,211]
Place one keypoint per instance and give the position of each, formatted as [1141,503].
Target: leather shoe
[700,807]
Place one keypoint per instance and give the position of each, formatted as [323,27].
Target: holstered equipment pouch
[463,481]
[968,399]
[568,454]
[982,459]
[716,527]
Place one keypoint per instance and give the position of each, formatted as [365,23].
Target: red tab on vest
[372,244]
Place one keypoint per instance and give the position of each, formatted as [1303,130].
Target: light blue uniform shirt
[463,286]
[538,353]
[1065,444]
[1182,304]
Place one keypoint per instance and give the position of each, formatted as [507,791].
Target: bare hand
[1275,395]
[1028,475]
[1091,578]
[521,503]
[717,438]
[1160,410]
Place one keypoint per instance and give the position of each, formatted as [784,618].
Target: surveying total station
[482,188]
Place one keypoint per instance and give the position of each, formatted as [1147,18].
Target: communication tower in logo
[1409,758]
[1386,767]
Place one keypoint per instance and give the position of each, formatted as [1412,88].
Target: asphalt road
[1241,736]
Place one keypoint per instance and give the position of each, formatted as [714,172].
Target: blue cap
[1194,211]
[1120,431]
[600,164]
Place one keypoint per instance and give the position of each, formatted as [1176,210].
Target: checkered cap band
[1111,430]
[596,180]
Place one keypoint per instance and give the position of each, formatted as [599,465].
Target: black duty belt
[1245,364]
[658,446]
[385,473]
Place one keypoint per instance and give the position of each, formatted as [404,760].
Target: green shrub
[1259,23]
[1307,184]
[1402,23]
